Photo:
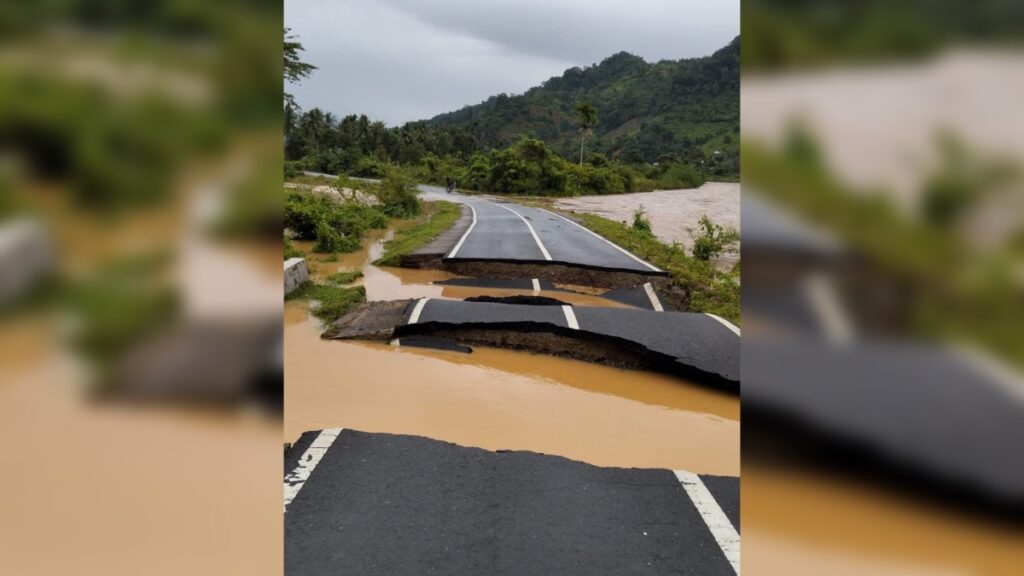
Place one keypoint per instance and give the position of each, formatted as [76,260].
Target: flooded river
[497,399]
[671,212]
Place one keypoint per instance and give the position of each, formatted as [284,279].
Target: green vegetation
[687,107]
[290,251]
[118,305]
[345,277]
[640,222]
[586,117]
[397,194]
[665,125]
[787,33]
[440,216]
[705,289]
[710,240]
[530,168]
[336,225]
[952,291]
[327,302]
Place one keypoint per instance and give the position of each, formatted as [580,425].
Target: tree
[314,127]
[294,68]
[586,118]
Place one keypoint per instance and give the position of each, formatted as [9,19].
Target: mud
[521,300]
[576,347]
[371,321]
[554,273]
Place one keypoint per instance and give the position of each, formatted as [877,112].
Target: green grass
[440,217]
[345,277]
[707,289]
[290,251]
[328,303]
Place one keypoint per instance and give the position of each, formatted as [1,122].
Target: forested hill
[687,107]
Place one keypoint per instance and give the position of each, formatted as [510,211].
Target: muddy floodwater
[881,532]
[497,399]
[671,212]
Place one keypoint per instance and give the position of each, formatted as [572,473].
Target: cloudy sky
[401,60]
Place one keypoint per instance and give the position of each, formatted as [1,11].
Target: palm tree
[586,117]
[314,126]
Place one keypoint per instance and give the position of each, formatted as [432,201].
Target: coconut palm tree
[586,117]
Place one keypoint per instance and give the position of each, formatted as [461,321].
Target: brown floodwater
[124,490]
[114,489]
[671,212]
[865,530]
[496,399]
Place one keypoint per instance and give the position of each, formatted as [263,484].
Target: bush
[640,221]
[328,239]
[680,176]
[290,251]
[370,168]
[336,225]
[712,239]
[397,195]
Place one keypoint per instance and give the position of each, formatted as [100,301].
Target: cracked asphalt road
[395,505]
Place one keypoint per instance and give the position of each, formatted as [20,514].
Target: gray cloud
[401,60]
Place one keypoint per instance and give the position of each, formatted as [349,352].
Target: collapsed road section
[360,503]
[701,347]
[507,240]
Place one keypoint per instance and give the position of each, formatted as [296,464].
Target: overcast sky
[402,60]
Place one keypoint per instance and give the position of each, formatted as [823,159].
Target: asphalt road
[366,504]
[506,231]
[697,341]
[919,408]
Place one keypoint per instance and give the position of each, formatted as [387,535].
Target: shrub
[370,168]
[712,239]
[640,221]
[290,251]
[397,195]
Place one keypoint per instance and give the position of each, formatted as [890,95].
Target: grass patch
[440,217]
[290,251]
[328,303]
[345,277]
[707,289]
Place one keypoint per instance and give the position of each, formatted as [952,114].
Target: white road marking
[732,327]
[465,234]
[718,523]
[570,317]
[540,244]
[1002,375]
[653,297]
[605,240]
[822,295]
[536,285]
[417,310]
[296,479]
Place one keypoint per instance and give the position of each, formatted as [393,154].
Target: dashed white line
[465,234]
[536,285]
[732,327]
[296,479]
[417,310]
[605,240]
[653,297]
[536,239]
[570,317]
[718,523]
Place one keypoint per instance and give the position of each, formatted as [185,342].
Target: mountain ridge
[688,108]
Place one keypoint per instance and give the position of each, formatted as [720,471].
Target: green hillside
[688,108]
